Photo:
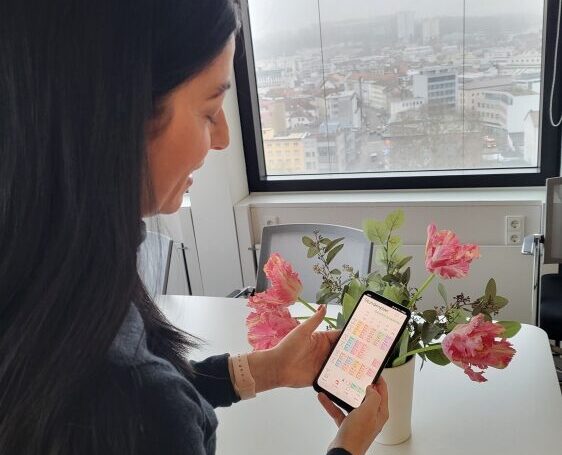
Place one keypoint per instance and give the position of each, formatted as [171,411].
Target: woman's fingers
[383,391]
[333,336]
[334,412]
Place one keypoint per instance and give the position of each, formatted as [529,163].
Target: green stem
[431,347]
[421,289]
[311,308]
[308,317]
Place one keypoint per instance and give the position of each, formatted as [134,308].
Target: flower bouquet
[458,330]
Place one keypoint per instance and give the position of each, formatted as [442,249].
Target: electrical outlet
[270,220]
[514,229]
[514,239]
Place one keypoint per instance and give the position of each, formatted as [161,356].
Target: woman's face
[193,123]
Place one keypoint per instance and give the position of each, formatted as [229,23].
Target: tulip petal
[476,344]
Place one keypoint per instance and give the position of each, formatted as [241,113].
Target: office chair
[547,249]
[286,239]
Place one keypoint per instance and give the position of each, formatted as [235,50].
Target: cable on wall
[552,88]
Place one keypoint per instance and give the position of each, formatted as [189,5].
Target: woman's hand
[301,354]
[361,426]
[296,360]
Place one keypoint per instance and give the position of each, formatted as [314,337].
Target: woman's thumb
[372,396]
[314,321]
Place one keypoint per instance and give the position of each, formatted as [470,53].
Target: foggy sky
[272,16]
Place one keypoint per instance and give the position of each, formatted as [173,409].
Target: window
[386,88]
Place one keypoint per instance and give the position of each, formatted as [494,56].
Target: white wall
[223,225]
[476,216]
[217,187]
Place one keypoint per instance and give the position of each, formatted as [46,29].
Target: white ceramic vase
[398,428]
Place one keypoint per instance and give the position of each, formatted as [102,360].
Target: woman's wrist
[264,370]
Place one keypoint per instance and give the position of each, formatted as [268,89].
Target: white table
[517,412]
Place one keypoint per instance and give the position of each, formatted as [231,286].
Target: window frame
[248,103]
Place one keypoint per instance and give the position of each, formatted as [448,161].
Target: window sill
[480,196]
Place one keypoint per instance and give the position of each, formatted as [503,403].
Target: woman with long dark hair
[106,108]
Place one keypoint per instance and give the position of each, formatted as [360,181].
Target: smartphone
[362,350]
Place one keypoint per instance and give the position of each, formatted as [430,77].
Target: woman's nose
[220,137]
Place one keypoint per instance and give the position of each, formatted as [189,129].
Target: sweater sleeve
[212,380]
[338,452]
[174,419]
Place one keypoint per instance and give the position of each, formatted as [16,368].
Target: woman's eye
[212,119]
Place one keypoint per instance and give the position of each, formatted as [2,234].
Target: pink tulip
[446,256]
[285,284]
[475,344]
[267,328]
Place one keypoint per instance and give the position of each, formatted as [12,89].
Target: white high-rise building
[430,30]
[405,26]
[437,86]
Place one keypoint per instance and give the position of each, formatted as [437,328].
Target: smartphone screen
[363,348]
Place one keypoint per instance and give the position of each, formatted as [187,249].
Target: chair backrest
[153,262]
[286,239]
[553,222]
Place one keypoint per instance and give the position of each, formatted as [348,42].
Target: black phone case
[384,301]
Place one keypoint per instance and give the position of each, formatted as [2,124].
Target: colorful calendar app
[362,349]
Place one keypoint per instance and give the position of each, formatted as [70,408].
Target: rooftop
[495,82]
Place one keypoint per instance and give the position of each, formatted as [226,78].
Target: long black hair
[80,80]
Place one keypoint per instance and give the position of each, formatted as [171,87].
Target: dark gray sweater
[178,414]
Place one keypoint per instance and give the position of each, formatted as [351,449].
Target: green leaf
[332,254]
[443,292]
[394,220]
[430,315]
[403,262]
[322,292]
[375,281]
[405,279]
[500,302]
[491,289]
[327,298]
[393,293]
[325,241]
[457,316]
[308,241]
[340,321]
[376,231]
[403,348]
[332,244]
[430,332]
[373,275]
[355,288]
[312,252]
[380,256]
[511,328]
[438,357]
[335,272]
[394,244]
[349,303]
[391,278]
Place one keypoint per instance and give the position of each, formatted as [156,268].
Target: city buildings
[284,154]
[437,85]
[344,102]
[531,137]
[343,108]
